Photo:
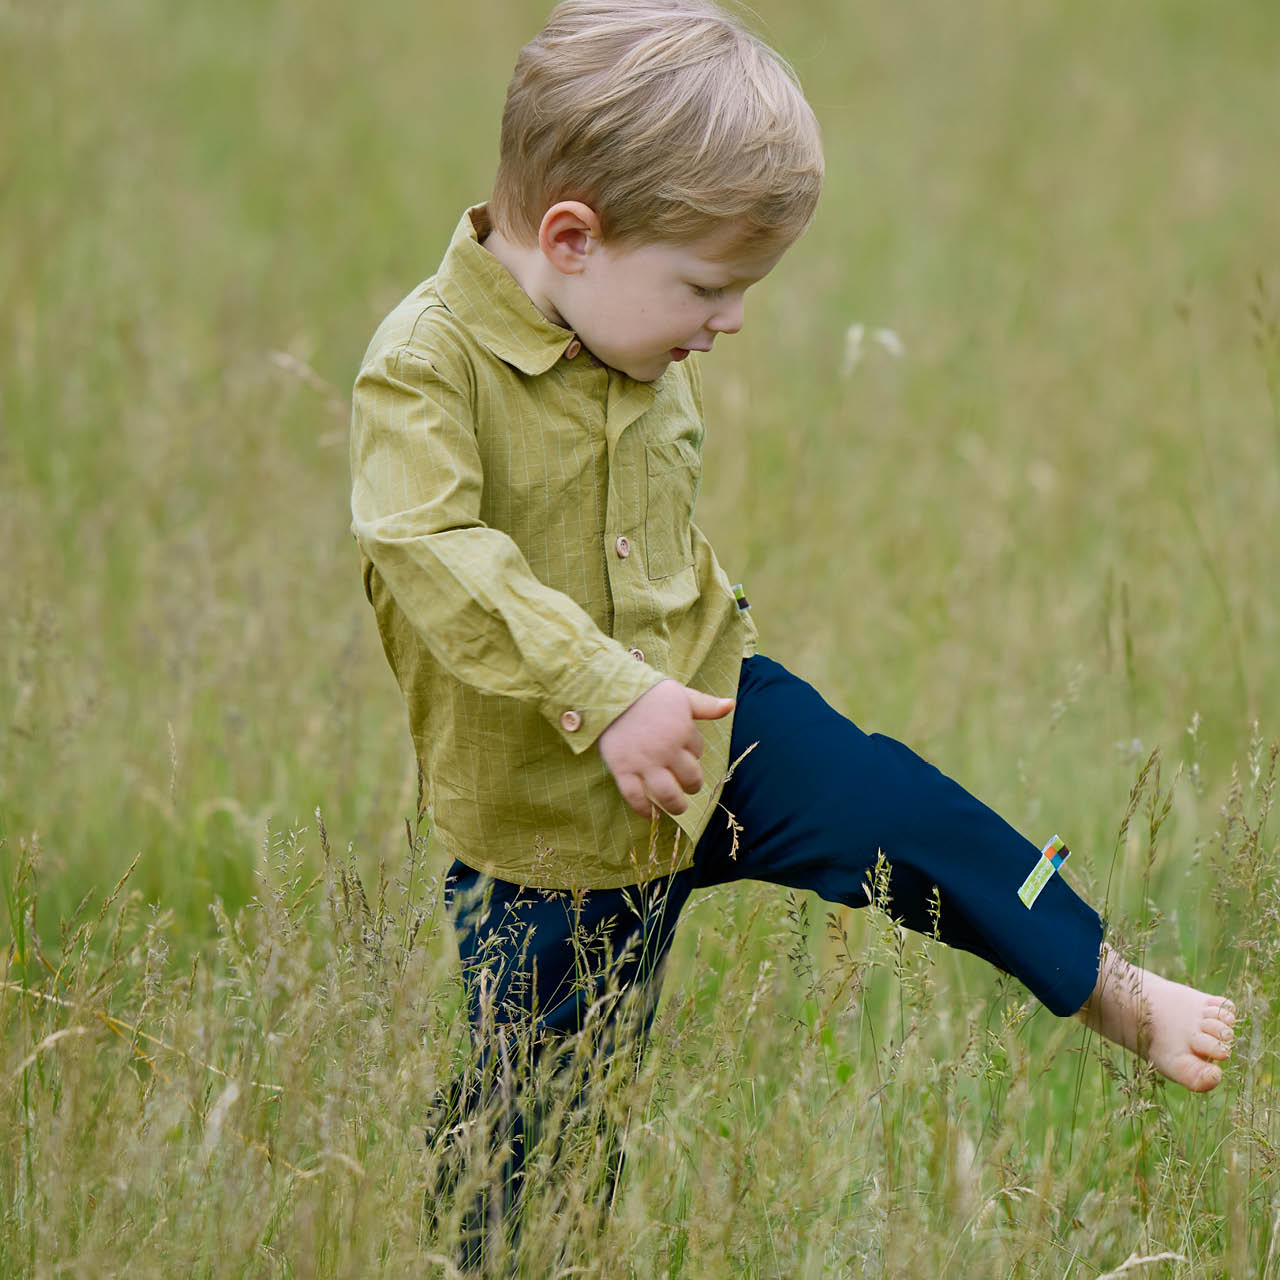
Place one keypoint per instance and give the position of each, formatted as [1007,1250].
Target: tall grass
[822,1095]
[1039,545]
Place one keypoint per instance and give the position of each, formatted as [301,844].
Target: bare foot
[1182,1032]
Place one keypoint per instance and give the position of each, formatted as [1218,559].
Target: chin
[644,373]
[642,368]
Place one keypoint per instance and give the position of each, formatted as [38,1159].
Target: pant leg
[817,799]
[553,980]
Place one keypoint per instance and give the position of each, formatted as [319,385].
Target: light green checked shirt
[524,515]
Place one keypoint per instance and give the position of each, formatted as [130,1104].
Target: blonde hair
[668,118]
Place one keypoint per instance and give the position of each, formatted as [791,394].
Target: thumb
[702,706]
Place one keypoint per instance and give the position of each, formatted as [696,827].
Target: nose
[729,316]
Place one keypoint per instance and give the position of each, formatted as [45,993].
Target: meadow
[997,456]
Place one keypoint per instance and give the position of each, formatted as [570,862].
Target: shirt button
[623,546]
[637,654]
[571,722]
[571,351]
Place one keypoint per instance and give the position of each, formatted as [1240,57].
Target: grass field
[1041,545]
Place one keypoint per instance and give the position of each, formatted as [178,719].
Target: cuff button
[571,722]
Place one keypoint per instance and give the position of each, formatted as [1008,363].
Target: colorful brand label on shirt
[1052,856]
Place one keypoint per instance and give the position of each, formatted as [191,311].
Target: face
[642,307]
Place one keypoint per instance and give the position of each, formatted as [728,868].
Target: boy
[525,455]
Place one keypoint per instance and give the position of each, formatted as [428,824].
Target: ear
[567,234]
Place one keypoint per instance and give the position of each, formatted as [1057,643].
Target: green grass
[1037,546]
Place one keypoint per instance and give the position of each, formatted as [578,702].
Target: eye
[705,291]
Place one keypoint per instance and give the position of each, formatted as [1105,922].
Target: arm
[464,587]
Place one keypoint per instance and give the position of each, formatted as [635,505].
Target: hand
[652,748]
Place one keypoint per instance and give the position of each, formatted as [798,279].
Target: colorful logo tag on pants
[1052,856]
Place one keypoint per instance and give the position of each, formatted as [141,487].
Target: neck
[529,269]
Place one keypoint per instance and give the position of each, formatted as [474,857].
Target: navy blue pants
[816,801]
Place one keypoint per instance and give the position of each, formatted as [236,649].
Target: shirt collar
[484,295]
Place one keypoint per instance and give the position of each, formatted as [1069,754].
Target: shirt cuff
[595,694]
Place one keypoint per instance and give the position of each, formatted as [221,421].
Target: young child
[526,451]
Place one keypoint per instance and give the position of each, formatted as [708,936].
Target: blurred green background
[1028,524]
[1033,545]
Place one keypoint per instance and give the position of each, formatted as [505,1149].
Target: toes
[1222,1030]
[1209,1046]
[1220,1008]
[1209,1078]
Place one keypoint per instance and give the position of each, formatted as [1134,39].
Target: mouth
[679,353]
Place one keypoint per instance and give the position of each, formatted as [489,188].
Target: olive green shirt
[524,515]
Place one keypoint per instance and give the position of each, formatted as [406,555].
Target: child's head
[666,118]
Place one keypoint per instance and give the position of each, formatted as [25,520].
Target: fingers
[663,789]
[702,706]
[688,772]
[666,788]
[633,793]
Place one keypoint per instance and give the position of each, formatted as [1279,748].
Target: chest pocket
[673,468]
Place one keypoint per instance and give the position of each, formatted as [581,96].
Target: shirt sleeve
[464,587]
